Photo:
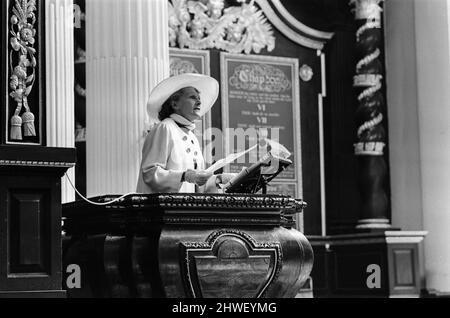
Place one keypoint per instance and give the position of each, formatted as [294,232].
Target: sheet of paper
[228,159]
[278,149]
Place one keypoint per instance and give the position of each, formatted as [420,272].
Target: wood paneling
[28,232]
[30,220]
[341,267]
[404,267]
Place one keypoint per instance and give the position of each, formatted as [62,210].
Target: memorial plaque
[193,61]
[188,61]
[260,96]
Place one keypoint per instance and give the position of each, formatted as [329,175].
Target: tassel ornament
[28,121]
[28,124]
[16,127]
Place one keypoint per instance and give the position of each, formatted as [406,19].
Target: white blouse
[168,151]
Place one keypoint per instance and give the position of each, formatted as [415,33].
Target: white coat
[168,151]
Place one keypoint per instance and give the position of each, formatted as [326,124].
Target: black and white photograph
[225,155]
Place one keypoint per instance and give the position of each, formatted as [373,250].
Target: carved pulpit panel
[230,262]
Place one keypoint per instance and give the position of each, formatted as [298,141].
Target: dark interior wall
[339,105]
[342,192]
[80,100]
[342,197]
[309,123]
[341,165]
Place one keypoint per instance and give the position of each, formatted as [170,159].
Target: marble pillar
[127,54]
[60,82]
[432,27]
[419,117]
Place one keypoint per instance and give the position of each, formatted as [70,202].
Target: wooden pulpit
[187,246]
[30,220]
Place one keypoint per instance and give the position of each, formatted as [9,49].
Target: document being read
[228,159]
[277,148]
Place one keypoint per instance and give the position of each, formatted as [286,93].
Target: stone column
[432,27]
[371,135]
[60,82]
[127,52]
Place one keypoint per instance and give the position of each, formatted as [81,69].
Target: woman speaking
[172,159]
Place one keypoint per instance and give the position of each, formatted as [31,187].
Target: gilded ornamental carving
[208,24]
[368,78]
[22,66]
[371,107]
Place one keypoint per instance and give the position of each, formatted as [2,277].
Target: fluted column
[60,82]
[371,135]
[127,52]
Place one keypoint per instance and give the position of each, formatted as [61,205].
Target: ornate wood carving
[36,163]
[252,210]
[22,119]
[23,66]
[292,28]
[148,253]
[208,24]
[230,262]
[175,200]
[40,157]
[371,135]
[369,73]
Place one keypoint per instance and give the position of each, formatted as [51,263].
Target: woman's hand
[199,177]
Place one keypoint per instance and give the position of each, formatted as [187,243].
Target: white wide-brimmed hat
[206,85]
